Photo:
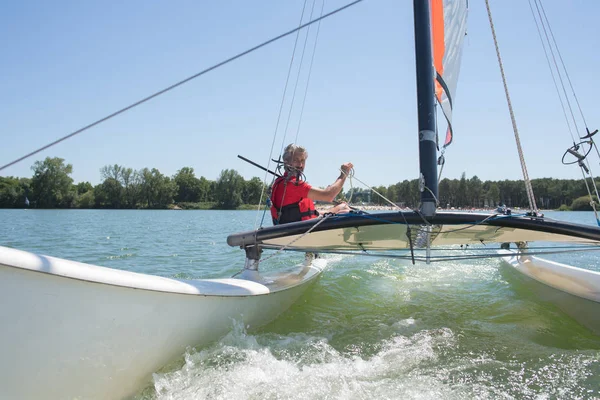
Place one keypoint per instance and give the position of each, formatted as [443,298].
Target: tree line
[51,186]
[464,193]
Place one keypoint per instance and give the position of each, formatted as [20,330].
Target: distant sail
[26,201]
[449,27]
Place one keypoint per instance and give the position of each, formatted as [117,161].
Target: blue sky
[66,64]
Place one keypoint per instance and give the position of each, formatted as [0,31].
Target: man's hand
[346,168]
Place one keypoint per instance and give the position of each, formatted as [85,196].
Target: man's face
[298,160]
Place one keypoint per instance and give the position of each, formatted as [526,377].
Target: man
[292,198]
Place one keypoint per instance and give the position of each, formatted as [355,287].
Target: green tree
[111,171]
[252,191]
[51,183]
[391,193]
[86,200]
[229,188]
[13,192]
[583,203]
[462,194]
[188,186]
[376,198]
[122,185]
[83,187]
[540,188]
[157,190]
[109,194]
[493,195]
[131,182]
[358,195]
[444,194]
[207,189]
[555,192]
[475,191]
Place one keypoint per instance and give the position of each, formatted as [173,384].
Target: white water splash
[243,366]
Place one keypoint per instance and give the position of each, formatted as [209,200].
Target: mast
[426,107]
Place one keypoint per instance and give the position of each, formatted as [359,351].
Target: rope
[376,192]
[528,186]
[441,162]
[394,205]
[432,195]
[298,238]
[163,91]
[349,175]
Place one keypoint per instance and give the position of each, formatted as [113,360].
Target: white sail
[449,25]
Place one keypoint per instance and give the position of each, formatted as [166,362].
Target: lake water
[370,328]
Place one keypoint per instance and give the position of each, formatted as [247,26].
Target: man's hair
[290,150]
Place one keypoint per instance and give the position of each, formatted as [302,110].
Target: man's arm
[332,190]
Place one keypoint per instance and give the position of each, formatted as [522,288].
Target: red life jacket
[295,206]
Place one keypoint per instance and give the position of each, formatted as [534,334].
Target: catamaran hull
[576,291]
[68,334]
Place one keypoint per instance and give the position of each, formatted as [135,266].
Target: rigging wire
[309,74]
[439,258]
[581,165]
[582,161]
[289,116]
[562,84]
[175,85]
[290,171]
[562,62]
[264,187]
[552,72]
[528,186]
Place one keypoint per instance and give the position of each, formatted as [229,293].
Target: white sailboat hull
[575,290]
[73,330]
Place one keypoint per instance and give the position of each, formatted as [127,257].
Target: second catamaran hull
[576,291]
[74,330]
